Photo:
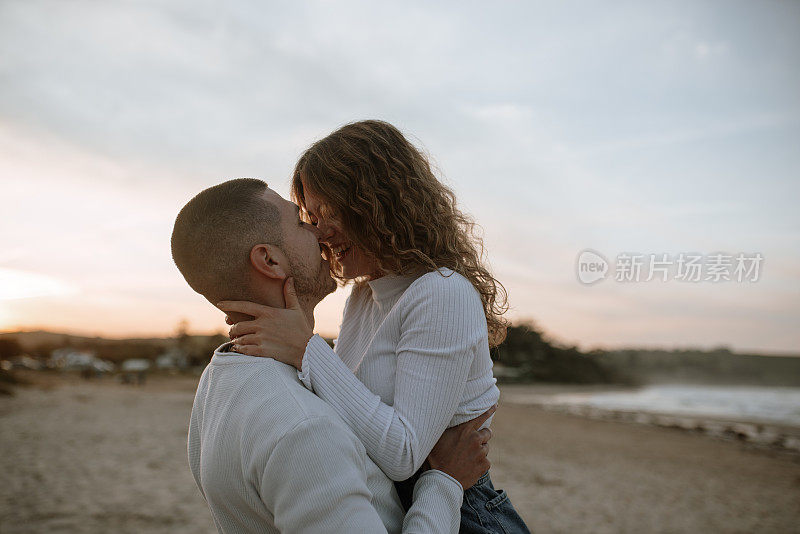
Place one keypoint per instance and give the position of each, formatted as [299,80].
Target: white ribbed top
[412,359]
[270,456]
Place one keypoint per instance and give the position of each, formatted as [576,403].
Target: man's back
[269,455]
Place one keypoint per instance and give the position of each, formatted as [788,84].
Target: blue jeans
[485,510]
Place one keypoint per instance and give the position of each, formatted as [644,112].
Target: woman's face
[348,260]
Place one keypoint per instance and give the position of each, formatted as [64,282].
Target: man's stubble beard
[311,287]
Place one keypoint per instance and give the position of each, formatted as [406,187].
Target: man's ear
[269,260]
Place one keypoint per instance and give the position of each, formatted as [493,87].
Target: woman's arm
[442,328]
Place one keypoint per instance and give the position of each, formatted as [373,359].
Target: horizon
[650,129]
[550,339]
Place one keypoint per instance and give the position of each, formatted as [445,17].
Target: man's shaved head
[215,231]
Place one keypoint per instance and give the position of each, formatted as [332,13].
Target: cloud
[631,126]
[705,51]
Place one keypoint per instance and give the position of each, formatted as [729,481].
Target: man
[266,453]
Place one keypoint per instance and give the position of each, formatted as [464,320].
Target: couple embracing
[388,431]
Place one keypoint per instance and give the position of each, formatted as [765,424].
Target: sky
[621,127]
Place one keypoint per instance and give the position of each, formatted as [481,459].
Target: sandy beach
[100,457]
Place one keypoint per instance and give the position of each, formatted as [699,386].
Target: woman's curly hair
[382,190]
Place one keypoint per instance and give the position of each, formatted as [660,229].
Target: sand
[102,457]
[99,458]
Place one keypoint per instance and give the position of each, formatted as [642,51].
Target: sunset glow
[19,284]
[677,132]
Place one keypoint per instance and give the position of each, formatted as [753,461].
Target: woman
[412,357]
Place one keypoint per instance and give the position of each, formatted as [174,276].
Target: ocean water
[750,403]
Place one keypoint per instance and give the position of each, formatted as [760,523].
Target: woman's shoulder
[443,277]
[442,282]
[447,295]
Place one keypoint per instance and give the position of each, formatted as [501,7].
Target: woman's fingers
[243,328]
[282,333]
[243,306]
[290,295]
[478,421]
[248,350]
[485,435]
[247,339]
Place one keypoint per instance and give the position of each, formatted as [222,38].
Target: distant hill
[30,340]
[720,366]
[537,358]
[531,355]
[40,344]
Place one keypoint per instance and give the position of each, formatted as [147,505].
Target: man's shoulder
[260,395]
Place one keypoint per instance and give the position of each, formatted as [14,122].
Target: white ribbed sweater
[270,456]
[412,359]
